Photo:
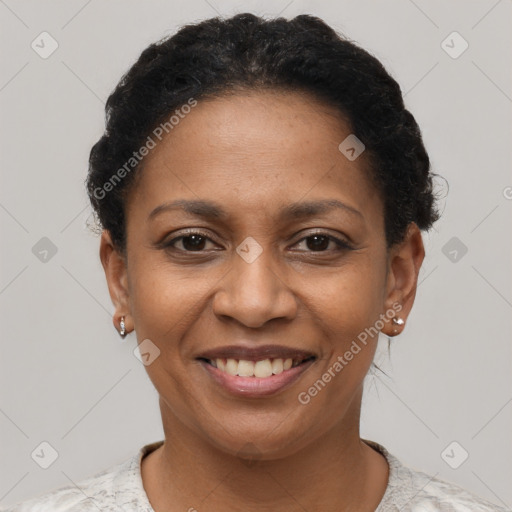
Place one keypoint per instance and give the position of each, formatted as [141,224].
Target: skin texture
[253,153]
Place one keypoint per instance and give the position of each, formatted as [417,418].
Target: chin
[266,437]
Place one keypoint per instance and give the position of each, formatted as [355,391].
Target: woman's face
[287,260]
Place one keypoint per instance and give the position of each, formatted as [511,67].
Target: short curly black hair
[217,56]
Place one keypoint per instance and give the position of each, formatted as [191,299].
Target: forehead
[256,150]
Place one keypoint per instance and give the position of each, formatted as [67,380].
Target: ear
[114,265]
[404,262]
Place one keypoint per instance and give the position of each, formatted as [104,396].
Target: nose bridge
[254,274]
[252,292]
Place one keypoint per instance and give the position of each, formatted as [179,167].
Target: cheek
[162,299]
[349,316]
[349,308]
[350,300]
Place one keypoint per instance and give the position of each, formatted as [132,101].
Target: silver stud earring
[122,328]
[397,321]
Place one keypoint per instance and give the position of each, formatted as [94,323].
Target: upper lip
[256,353]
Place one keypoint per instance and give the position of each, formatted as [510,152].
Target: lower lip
[253,386]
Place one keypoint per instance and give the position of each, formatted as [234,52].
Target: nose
[253,293]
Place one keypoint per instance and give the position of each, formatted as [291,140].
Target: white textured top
[119,488]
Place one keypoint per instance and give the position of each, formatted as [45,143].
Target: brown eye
[190,242]
[193,242]
[319,242]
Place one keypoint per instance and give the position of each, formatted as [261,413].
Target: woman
[262,192]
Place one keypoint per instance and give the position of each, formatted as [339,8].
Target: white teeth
[245,368]
[231,366]
[260,369]
[277,366]
[263,368]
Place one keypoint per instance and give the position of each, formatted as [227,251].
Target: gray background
[66,378]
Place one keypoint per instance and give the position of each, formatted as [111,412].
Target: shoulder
[410,490]
[427,493]
[92,494]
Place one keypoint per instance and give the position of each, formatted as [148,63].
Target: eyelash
[342,245]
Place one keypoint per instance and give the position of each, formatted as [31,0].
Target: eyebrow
[211,210]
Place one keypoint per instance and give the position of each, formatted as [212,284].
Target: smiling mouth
[262,368]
